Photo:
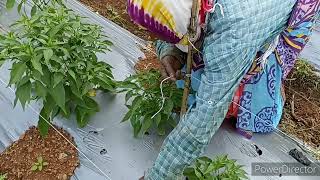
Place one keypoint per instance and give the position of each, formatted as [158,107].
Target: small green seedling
[3,176]
[220,168]
[39,165]
[115,16]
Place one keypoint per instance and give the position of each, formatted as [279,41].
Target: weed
[114,16]
[220,168]
[305,73]
[3,176]
[39,165]
[36,4]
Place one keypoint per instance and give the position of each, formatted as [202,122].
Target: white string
[162,96]
[35,111]
[270,50]
[194,47]
[213,9]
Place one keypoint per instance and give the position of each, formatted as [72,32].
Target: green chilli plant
[39,165]
[54,59]
[144,101]
[3,176]
[37,5]
[218,169]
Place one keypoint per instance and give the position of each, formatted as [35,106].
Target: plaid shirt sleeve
[164,49]
[229,50]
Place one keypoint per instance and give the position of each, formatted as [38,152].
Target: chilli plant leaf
[36,4]
[218,169]
[54,59]
[3,176]
[144,100]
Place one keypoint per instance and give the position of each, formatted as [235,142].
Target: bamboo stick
[191,33]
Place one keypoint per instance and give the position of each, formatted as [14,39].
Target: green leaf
[33,10]
[161,130]
[46,78]
[212,168]
[136,128]
[20,6]
[67,113]
[146,124]
[57,78]
[157,119]
[189,172]
[204,159]
[10,4]
[34,168]
[48,53]
[40,89]
[127,116]
[74,89]
[72,74]
[65,51]
[198,173]
[36,63]
[40,167]
[2,61]
[172,122]
[56,29]
[45,115]
[128,95]
[168,107]
[45,164]
[128,85]
[17,71]
[40,159]
[58,94]
[23,93]
[105,82]
[82,116]
[91,104]
[136,103]
[88,88]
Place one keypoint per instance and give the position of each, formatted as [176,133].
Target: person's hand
[171,68]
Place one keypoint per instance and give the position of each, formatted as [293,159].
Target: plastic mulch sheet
[109,144]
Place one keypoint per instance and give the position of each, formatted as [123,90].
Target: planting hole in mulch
[59,158]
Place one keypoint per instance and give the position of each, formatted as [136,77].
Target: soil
[301,117]
[150,62]
[62,158]
[115,10]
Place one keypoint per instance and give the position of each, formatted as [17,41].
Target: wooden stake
[191,33]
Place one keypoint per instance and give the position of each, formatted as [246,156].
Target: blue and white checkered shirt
[229,48]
